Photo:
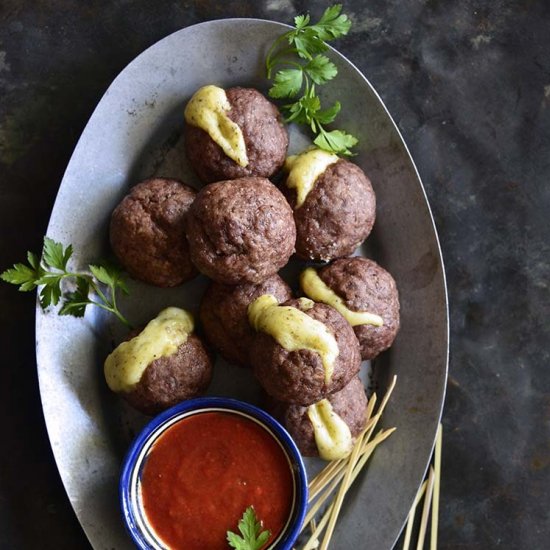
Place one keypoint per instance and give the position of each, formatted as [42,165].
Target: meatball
[350,404]
[240,230]
[299,376]
[148,234]
[264,134]
[337,214]
[365,286]
[223,313]
[151,378]
[169,380]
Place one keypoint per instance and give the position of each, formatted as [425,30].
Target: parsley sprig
[309,70]
[97,287]
[253,538]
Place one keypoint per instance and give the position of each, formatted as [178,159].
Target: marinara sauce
[205,470]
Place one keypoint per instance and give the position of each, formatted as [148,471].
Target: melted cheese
[314,287]
[294,330]
[303,171]
[332,435]
[207,110]
[162,337]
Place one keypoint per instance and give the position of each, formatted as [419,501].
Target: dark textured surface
[469,85]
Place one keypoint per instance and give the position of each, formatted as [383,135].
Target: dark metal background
[469,85]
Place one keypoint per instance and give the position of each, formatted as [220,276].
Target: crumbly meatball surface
[240,230]
[337,215]
[299,376]
[350,404]
[147,232]
[265,137]
[365,286]
[168,380]
[224,315]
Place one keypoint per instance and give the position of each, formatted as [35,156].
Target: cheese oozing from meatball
[293,329]
[332,435]
[161,337]
[207,109]
[304,169]
[315,288]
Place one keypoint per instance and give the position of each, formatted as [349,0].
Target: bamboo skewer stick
[337,504]
[343,472]
[335,468]
[437,482]
[412,513]
[313,542]
[426,510]
[321,500]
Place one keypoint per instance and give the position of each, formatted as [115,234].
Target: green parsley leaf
[288,83]
[308,42]
[20,274]
[50,272]
[332,24]
[54,255]
[337,141]
[75,302]
[320,69]
[33,260]
[102,274]
[253,538]
[50,293]
[328,115]
[114,274]
[301,21]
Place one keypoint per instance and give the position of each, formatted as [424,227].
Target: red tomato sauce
[203,473]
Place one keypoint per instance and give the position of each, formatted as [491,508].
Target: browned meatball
[148,235]
[365,286]
[240,230]
[169,380]
[265,137]
[299,376]
[350,404]
[337,214]
[224,315]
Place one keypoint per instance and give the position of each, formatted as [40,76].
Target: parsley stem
[108,305]
[110,309]
[269,62]
[98,291]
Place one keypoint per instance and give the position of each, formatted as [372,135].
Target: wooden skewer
[324,477]
[364,454]
[321,500]
[370,405]
[313,542]
[410,521]
[348,469]
[369,449]
[387,396]
[312,527]
[437,482]
[335,468]
[426,510]
[337,504]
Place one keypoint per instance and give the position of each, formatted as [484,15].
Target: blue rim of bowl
[144,441]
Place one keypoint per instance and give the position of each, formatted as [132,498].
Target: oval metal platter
[135,132]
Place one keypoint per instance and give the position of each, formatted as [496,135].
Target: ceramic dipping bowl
[207,440]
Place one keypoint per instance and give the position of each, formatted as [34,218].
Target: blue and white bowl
[130,480]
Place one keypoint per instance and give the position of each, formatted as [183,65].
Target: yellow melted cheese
[332,435]
[314,287]
[207,110]
[304,169]
[161,337]
[293,329]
